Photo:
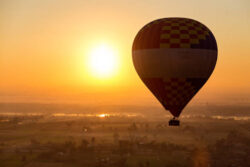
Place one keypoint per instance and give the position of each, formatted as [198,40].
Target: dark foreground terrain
[39,135]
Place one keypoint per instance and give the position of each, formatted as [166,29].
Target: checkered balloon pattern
[159,56]
[175,33]
[174,93]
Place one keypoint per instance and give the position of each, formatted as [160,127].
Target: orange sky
[44,44]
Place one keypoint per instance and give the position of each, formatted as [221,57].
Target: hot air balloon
[174,57]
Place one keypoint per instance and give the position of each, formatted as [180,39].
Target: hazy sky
[44,45]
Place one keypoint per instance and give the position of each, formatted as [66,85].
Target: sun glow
[103,61]
[103,115]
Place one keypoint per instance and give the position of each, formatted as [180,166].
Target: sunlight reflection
[103,115]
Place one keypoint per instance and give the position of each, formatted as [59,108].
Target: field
[55,135]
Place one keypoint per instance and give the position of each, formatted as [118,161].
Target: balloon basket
[174,122]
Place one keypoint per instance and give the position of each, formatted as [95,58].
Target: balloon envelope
[174,57]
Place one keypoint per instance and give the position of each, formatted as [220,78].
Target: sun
[103,61]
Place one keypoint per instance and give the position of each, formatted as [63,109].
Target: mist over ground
[77,135]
